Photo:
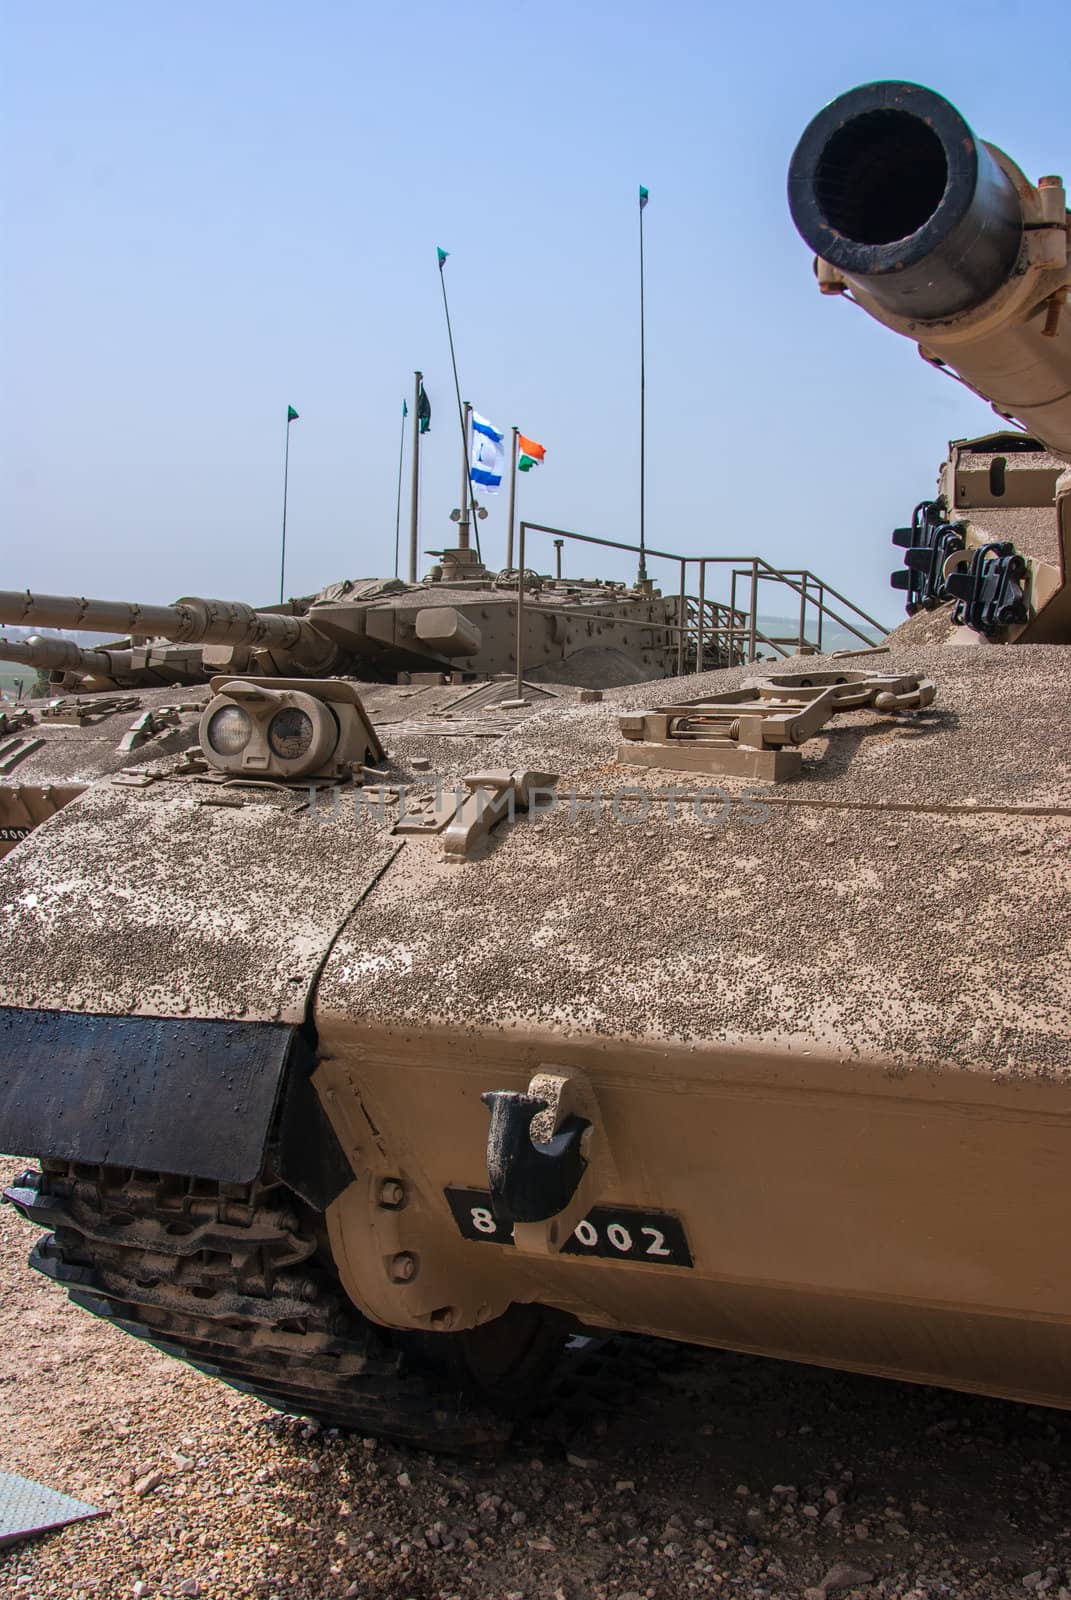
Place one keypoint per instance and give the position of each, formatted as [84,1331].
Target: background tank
[579,632]
[731,1012]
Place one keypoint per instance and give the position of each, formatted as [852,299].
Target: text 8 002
[616,1233]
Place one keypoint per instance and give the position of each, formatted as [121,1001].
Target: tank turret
[942,238]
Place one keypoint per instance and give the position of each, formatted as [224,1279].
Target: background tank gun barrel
[300,646]
[61,655]
[942,238]
[189,621]
[71,666]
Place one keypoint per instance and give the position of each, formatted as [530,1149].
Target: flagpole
[466,417]
[398,506]
[512,500]
[414,504]
[291,416]
[641,575]
[463,525]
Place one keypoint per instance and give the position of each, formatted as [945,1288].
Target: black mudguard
[173,1095]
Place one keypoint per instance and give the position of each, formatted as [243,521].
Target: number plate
[618,1233]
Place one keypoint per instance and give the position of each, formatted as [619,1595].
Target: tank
[363,1058]
[579,632]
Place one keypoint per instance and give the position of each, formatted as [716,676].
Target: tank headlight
[229,730]
[290,733]
[276,730]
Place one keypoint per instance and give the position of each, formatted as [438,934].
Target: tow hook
[529,1181]
[548,1158]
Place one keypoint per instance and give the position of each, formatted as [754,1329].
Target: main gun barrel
[941,237]
[189,621]
[292,643]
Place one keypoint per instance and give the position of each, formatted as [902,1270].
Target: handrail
[739,623]
[805,572]
[780,577]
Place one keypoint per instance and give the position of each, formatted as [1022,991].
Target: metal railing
[730,632]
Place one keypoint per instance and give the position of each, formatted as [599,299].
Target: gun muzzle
[890,186]
[945,240]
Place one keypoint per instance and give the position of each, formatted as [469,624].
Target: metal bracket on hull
[989,593]
[755,732]
[465,815]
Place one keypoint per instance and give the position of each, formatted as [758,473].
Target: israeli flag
[487,457]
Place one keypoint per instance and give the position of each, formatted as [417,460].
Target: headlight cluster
[290,732]
[286,729]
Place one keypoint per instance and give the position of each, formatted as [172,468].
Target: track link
[235,1281]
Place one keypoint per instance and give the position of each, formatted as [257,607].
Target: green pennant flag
[405,409]
[442,255]
[643,197]
[424,411]
[291,414]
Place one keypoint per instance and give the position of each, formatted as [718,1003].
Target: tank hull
[865,1216]
[817,1034]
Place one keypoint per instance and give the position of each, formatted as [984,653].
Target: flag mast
[641,575]
[463,525]
[414,504]
[291,416]
[466,484]
[398,506]
[512,500]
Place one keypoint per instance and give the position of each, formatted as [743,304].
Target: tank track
[232,1280]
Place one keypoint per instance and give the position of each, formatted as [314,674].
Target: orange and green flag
[530,454]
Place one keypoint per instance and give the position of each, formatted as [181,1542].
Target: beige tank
[576,631]
[381,1035]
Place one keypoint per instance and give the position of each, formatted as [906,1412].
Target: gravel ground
[653,1472]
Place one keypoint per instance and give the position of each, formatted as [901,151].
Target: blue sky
[214,210]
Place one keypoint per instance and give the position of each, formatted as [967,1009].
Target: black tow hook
[530,1182]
